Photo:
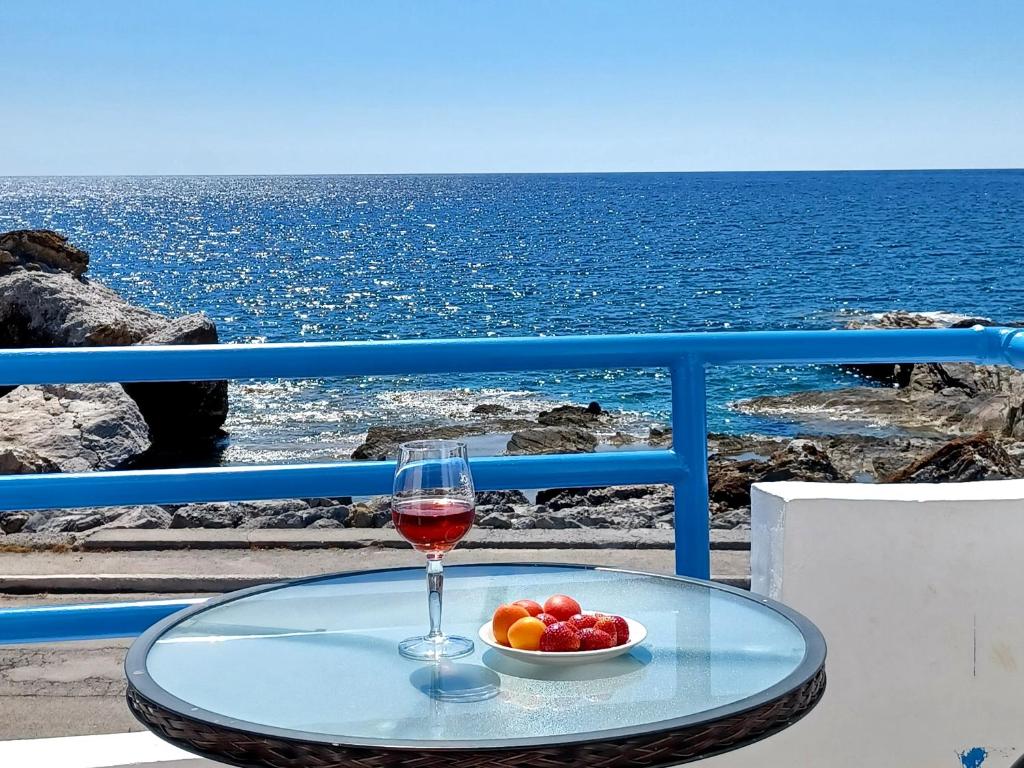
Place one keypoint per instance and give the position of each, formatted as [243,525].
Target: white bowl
[637,634]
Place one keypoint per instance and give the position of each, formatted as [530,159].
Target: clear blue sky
[302,86]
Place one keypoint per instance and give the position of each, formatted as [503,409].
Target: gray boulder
[147,516]
[207,515]
[68,521]
[69,428]
[551,440]
[40,309]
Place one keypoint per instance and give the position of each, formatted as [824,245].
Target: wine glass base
[434,649]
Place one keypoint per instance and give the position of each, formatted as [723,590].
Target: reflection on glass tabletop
[317,659]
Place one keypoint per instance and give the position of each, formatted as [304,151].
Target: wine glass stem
[435,585]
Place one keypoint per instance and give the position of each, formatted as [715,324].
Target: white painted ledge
[917,589]
[116,750]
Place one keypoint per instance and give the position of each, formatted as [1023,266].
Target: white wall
[918,591]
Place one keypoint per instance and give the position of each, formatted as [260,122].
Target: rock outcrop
[46,301]
[978,457]
[551,440]
[41,249]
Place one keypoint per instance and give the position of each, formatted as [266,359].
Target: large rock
[45,302]
[729,481]
[965,459]
[382,442]
[43,248]
[69,428]
[551,440]
[571,416]
[39,309]
[181,411]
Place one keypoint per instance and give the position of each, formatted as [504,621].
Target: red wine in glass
[433,526]
[432,507]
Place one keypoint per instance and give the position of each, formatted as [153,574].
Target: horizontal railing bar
[356,478]
[360,358]
[86,621]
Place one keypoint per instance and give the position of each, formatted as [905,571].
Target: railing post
[690,444]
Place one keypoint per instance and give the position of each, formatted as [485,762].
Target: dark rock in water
[382,442]
[978,457]
[178,412]
[45,248]
[490,409]
[551,440]
[660,436]
[69,428]
[570,416]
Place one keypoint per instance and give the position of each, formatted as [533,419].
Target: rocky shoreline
[950,423]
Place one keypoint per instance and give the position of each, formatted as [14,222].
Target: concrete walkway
[72,689]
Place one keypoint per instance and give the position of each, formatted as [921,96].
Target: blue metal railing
[684,465]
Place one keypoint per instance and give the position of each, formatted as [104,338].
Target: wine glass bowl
[432,506]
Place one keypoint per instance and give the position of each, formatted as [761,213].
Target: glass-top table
[307,673]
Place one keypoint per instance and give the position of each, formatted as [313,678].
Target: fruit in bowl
[559,630]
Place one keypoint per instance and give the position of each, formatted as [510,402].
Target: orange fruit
[530,605]
[525,634]
[505,617]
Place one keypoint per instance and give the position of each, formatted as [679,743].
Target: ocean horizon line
[373,174]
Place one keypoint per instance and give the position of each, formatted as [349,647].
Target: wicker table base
[651,750]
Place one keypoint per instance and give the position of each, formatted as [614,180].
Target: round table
[306,673]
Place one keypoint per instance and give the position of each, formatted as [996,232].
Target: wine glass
[432,506]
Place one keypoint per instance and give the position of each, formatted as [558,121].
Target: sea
[328,258]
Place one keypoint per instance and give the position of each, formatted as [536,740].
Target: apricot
[525,634]
[504,617]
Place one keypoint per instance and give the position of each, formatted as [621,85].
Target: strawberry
[595,640]
[560,637]
[583,621]
[547,618]
[621,630]
[607,624]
